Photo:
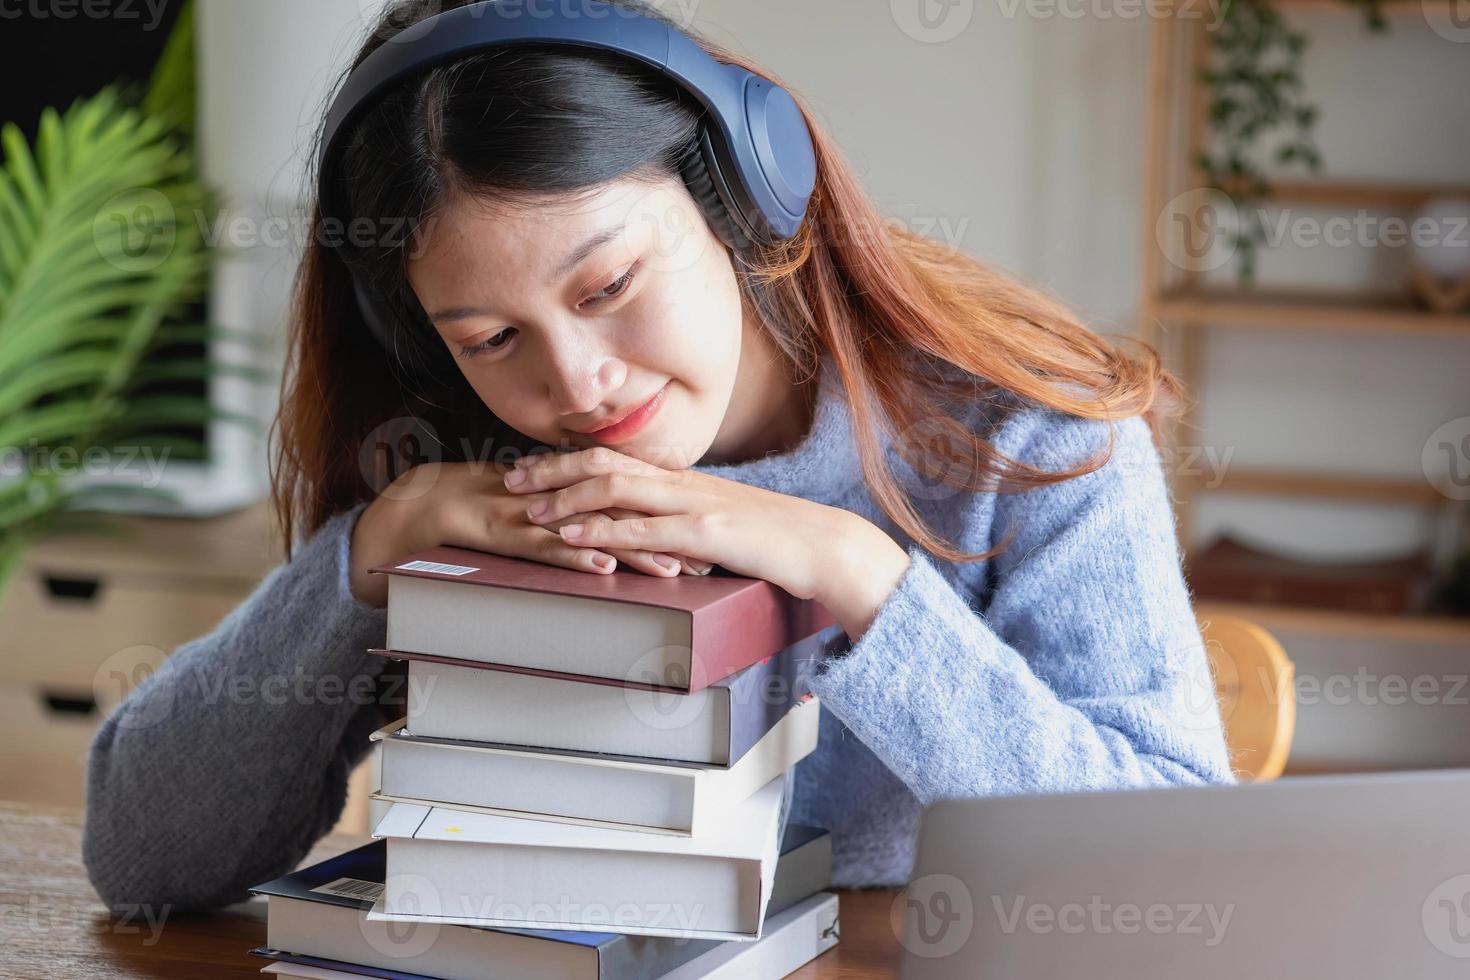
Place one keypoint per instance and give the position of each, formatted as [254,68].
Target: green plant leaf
[101,258]
[159,410]
[177,333]
[163,445]
[22,167]
[56,421]
[53,376]
[191,369]
[171,90]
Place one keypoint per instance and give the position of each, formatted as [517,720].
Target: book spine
[800,873]
[761,694]
[729,636]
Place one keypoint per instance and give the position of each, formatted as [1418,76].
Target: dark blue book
[317,916]
[338,965]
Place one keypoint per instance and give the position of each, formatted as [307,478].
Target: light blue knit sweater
[1069,662]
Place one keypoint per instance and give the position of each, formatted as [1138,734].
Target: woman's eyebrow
[567,264]
[585,249]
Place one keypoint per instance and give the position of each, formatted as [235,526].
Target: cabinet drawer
[59,628]
[45,756]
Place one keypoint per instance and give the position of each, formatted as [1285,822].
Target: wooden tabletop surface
[53,926]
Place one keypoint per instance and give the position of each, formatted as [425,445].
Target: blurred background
[1274,193]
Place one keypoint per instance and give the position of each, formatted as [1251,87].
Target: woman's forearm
[224,767]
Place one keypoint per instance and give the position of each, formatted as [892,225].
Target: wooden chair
[1254,684]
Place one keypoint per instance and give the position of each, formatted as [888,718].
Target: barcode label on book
[438,566]
[352,888]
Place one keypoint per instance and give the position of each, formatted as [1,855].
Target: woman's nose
[578,385]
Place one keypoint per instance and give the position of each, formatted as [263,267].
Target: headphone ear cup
[699,169]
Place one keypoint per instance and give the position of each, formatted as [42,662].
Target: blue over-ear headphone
[755,169]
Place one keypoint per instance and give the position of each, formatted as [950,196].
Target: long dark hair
[516,124]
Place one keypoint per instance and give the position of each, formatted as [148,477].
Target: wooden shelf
[1429,629]
[1285,483]
[1306,310]
[1389,7]
[1387,195]
[1201,8]
[1176,300]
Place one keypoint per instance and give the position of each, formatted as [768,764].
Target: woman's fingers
[687,565]
[495,522]
[539,479]
[550,549]
[648,562]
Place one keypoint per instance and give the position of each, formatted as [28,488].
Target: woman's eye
[486,345]
[617,288]
[612,291]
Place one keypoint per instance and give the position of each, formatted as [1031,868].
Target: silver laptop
[1340,876]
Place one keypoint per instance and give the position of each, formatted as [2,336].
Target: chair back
[1254,683]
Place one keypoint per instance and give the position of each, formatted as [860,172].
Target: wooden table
[53,926]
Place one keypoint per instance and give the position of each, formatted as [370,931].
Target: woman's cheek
[660,332]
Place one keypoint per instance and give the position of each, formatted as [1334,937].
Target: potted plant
[101,255]
[1256,95]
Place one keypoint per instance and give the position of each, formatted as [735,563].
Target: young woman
[945,458]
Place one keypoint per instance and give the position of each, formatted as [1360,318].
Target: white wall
[264,67]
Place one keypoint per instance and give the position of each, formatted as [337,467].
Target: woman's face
[567,316]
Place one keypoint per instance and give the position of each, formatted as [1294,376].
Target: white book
[597,637]
[306,972]
[457,867]
[793,938]
[715,724]
[449,701]
[587,788]
[682,633]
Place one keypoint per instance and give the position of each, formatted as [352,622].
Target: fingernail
[603,561]
[572,531]
[667,561]
[515,478]
[537,509]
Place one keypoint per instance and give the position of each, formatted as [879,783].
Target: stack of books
[587,783]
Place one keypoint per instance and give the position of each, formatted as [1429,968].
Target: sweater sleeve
[1085,671]
[221,769]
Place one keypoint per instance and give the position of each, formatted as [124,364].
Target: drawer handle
[74,589]
[68,704]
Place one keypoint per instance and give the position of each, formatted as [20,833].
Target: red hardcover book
[680,634]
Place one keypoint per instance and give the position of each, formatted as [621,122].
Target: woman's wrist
[375,539]
[864,566]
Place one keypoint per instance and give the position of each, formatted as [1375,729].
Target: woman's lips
[634,423]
